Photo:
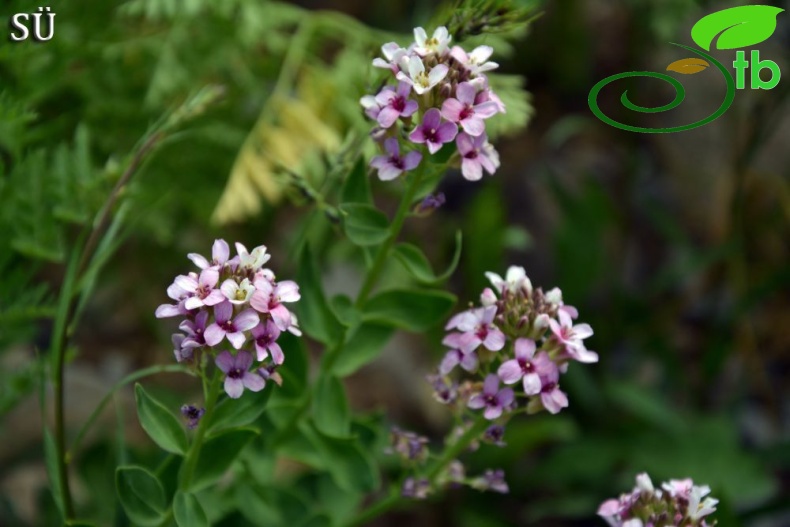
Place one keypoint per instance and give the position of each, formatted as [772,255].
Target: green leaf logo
[738,27]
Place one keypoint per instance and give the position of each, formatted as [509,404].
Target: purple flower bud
[430,203]
[493,480]
[416,488]
[494,435]
[410,446]
[192,414]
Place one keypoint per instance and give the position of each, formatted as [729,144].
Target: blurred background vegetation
[673,247]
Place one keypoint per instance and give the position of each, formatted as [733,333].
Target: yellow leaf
[688,66]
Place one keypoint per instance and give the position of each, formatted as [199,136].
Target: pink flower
[492,398]
[433,132]
[236,375]
[570,337]
[476,328]
[551,396]
[268,298]
[525,367]
[476,155]
[201,288]
[220,252]
[394,104]
[464,111]
[233,329]
[393,54]
[393,165]
[453,358]
[265,336]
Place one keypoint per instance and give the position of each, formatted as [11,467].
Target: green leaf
[412,310]
[365,225]
[344,310]
[330,407]
[233,413]
[188,512]
[417,263]
[141,495]
[160,424]
[356,187]
[352,468]
[217,455]
[737,27]
[363,346]
[315,317]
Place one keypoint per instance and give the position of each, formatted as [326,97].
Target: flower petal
[532,384]
[220,251]
[287,291]
[223,312]
[246,320]
[451,110]
[198,260]
[225,361]
[510,372]
[213,335]
[234,387]
[253,382]
[525,348]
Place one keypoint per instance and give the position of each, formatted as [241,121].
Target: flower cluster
[442,96]
[519,336]
[677,503]
[231,301]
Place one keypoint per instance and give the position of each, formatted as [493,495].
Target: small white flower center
[422,79]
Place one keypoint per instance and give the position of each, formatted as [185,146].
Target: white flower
[417,77]
[438,43]
[253,260]
[237,293]
[475,61]
[644,483]
[515,279]
[699,510]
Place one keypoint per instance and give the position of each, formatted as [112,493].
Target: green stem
[397,224]
[190,463]
[393,499]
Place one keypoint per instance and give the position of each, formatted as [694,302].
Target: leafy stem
[395,227]
[394,498]
[190,463]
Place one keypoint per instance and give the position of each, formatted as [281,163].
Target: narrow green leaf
[365,225]
[356,187]
[330,407]
[352,468]
[412,310]
[233,413]
[315,317]
[362,347]
[188,511]
[160,424]
[141,495]
[415,262]
[418,266]
[737,27]
[217,455]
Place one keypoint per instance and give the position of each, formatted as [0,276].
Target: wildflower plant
[244,329]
